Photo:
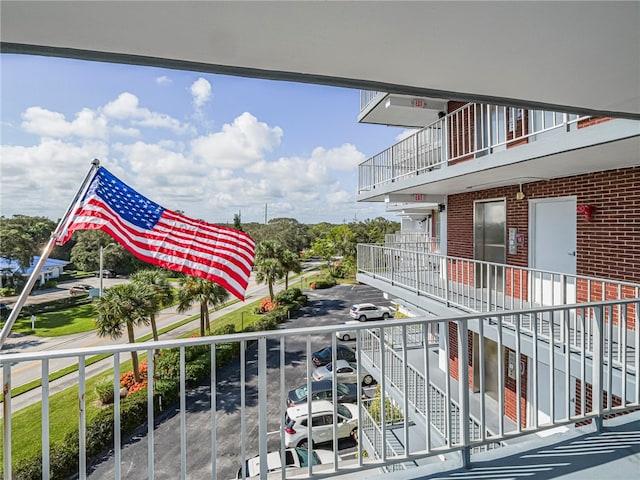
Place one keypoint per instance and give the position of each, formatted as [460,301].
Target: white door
[552,235]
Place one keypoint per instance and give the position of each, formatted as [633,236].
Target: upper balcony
[480,146]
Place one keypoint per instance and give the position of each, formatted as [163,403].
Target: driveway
[326,307]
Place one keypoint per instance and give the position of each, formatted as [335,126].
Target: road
[30,371]
[326,307]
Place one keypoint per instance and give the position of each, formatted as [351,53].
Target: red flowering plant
[266,305]
[127,380]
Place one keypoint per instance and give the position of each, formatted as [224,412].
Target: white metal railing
[472,131]
[401,374]
[546,375]
[478,286]
[419,239]
[366,96]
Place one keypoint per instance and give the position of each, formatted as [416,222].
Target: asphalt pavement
[325,307]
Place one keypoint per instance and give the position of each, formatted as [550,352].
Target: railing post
[262,404]
[596,394]
[444,142]
[463,392]
[446,280]
[6,433]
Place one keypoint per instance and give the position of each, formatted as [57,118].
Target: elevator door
[489,232]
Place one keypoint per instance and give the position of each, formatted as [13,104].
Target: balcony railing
[475,420]
[432,244]
[472,131]
[404,374]
[366,96]
[477,286]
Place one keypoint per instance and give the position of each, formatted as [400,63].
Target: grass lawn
[63,417]
[59,323]
[63,406]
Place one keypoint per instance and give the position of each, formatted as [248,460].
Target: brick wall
[453,352]
[588,403]
[608,246]
[510,391]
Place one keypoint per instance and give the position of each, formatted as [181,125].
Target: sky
[208,145]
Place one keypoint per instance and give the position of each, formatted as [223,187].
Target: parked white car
[369,311]
[322,422]
[294,458]
[348,333]
[346,372]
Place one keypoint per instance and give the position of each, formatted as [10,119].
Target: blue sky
[210,145]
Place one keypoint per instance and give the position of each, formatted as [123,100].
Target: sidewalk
[22,343]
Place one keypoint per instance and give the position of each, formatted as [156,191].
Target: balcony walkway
[579,453]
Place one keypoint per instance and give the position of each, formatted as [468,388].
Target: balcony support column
[463,391]
[262,404]
[596,396]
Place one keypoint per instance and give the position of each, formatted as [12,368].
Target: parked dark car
[106,274]
[323,390]
[322,357]
[5,310]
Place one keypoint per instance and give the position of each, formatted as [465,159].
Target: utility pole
[265,213]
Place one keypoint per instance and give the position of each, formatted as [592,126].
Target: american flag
[162,237]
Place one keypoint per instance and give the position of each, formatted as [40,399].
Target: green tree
[124,306]
[204,292]
[325,249]
[268,263]
[22,237]
[288,232]
[290,263]
[237,223]
[161,293]
[85,254]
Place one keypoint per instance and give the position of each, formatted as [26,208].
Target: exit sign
[418,197]
[418,103]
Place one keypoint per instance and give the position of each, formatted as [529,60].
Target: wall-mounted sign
[418,197]
[418,103]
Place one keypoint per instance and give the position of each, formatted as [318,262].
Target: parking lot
[325,307]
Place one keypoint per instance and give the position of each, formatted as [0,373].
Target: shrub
[392,413]
[327,282]
[127,380]
[104,390]
[288,296]
[266,305]
[7,291]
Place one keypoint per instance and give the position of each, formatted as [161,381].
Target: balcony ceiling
[577,56]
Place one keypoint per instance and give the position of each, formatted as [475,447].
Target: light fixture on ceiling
[520,195]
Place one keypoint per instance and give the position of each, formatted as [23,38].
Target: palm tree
[291,263]
[124,306]
[204,292]
[161,293]
[268,263]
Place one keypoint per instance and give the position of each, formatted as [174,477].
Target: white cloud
[45,123]
[346,157]
[163,81]
[239,144]
[211,177]
[41,180]
[201,92]
[125,132]
[407,132]
[126,107]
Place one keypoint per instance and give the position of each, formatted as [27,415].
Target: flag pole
[6,329]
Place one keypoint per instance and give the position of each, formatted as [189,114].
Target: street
[22,374]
